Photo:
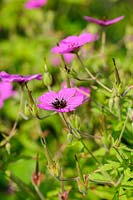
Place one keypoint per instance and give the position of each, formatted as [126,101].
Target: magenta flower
[103,22]
[65,100]
[72,44]
[6,91]
[68,57]
[85,92]
[31,4]
[18,78]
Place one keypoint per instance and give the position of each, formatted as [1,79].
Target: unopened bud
[117,105]
[47,79]
[69,138]
[37,178]
[32,105]
[54,169]
[8,147]
[63,195]
[117,77]
[130,114]
[76,123]
[83,185]
[34,110]
[27,110]
[107,141]
[53,166]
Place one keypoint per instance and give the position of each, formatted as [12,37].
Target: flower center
[72,45]
[59,103]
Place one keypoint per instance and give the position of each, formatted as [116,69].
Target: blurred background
[26,38]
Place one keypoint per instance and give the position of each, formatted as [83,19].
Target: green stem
[66,72]
[101,182]
[103,42]
[62,182]
[65,121]
[92,76]
[90,152]
[12,132]
[39,192]
[122,131]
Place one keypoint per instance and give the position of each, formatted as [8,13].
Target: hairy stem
[92,76]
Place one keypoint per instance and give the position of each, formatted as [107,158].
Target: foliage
[87,153]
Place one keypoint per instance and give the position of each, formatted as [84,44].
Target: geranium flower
[18,78]
[31,4]
[72,44]
[68,57]
[103,22]
[83,91]
[65,100]
[6,91]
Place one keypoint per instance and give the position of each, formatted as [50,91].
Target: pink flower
[18,78]
[55,61]
[6,91]
[31,4]
[65,100]
[72,44]
[83,91]
[103,22]
[68,57]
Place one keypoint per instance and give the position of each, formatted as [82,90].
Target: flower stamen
[59,103]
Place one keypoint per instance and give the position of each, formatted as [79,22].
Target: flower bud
[27,110]
[47,79]
[8,147]
[54,169]
[37,176]
[82,180]
[34,110]
[53,166]
[130,114]
[83,185]
[117,105]
[63,195]
[32,105]
[69,138]
[75,123]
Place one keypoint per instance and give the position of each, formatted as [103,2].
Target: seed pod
[117,106]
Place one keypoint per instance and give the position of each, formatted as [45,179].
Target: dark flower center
[72,45]
[59,103]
